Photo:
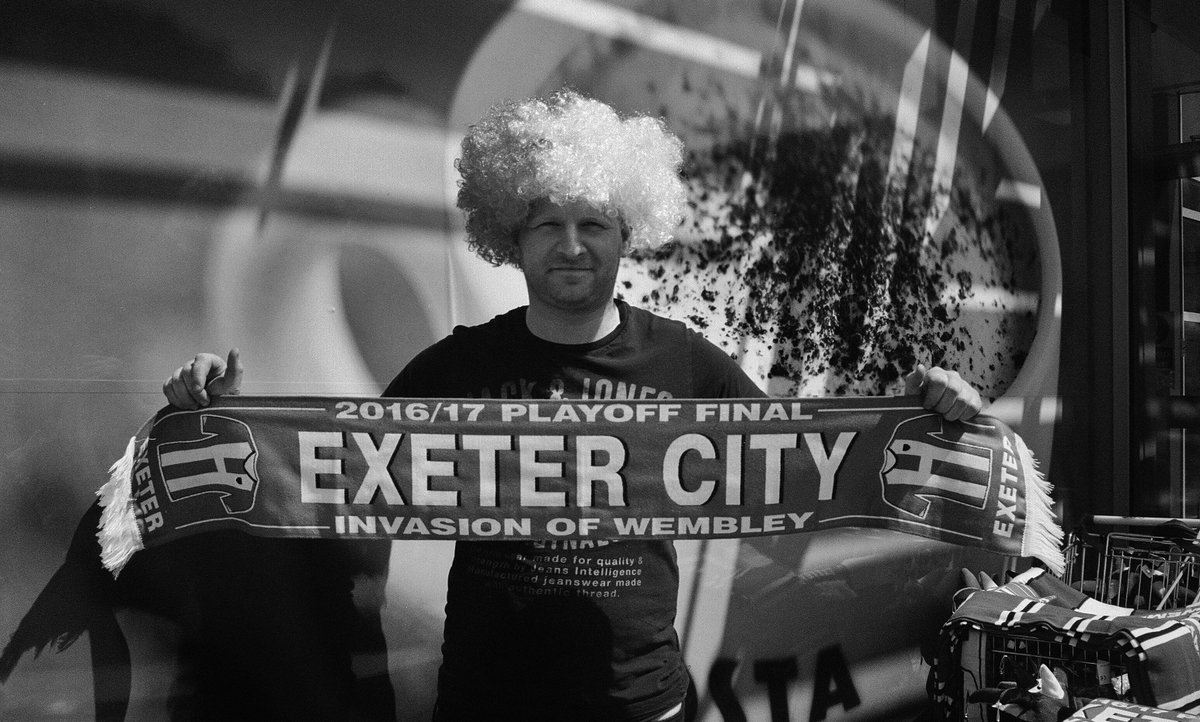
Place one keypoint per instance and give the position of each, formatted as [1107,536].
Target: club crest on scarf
[221,461]
[928,458]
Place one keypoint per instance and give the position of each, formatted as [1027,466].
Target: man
[562,188]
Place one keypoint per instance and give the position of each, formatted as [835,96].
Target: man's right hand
[196,382]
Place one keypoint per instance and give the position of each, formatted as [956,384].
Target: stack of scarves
[1160,650]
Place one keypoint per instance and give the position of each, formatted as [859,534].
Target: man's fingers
[945,401]
[959,410]
[176,389]
[949,395]
[198,370]
[195,383]
[968,404]
[170,390]
[937,382]
[944,392]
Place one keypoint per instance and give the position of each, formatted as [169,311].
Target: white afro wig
[567,148]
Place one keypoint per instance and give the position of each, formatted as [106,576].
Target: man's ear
[515,256]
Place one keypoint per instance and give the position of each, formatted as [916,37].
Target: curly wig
[567,148]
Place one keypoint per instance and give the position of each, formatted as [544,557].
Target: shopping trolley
[1154,569]
[1137,564]
[992,661]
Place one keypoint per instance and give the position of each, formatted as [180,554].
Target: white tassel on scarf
[1043,536]
[118,533]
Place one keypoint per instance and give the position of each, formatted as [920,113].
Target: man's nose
[569,243]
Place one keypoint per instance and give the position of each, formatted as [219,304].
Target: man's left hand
[943,391]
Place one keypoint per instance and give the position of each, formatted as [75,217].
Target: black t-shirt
[560,629]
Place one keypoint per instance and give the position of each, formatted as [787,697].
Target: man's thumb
[914,380]
[230,381]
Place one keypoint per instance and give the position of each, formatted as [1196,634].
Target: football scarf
[327,467]
[1111,710]
[1157,648]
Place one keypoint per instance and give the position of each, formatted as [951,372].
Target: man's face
[570,254]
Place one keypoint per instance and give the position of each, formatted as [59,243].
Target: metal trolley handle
[1142,521]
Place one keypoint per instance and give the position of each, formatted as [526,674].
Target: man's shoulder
[458,354]
[710,371]
[641,318]
[503,326]
[666,330]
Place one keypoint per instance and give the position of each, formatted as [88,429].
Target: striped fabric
[1103,709]
[1161,649]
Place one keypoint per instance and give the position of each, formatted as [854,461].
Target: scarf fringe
[1043,537]
[118,532]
